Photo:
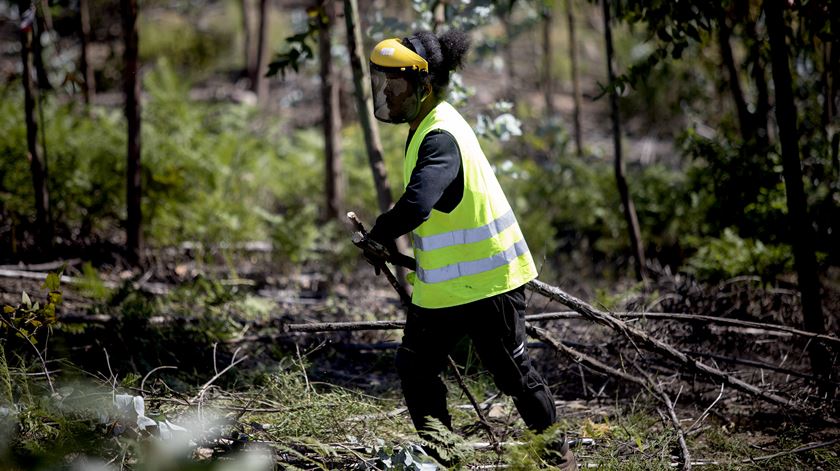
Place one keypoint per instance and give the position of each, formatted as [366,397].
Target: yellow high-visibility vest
[477,250]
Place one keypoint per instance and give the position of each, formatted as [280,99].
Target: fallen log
[148,287]
[58,264]
[758,328]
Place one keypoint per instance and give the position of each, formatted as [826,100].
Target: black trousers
[496,326]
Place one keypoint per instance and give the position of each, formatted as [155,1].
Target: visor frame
[391,53]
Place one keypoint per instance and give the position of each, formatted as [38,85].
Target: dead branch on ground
[637,336]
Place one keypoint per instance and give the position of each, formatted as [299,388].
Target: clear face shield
[397,94]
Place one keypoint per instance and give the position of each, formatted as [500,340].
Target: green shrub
[571,205]
[195,39]
[211,172]
[729,255]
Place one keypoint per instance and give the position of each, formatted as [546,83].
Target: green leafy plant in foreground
[27,319]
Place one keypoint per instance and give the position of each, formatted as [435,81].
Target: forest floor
[200,337]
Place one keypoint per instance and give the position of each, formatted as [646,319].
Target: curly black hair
[444,53]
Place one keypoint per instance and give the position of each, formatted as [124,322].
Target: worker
[472,259]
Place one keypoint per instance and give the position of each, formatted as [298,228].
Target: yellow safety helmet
[399,78]
[392,53]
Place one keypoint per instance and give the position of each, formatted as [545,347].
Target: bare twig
[580,357]
[215,368]
[344,326]
[705,412]
[112,378]
[481,418]
[246,407]
[303,370]
[143,382]
[381,415]
[672,414]
[763,366]
[811,446]
[203,389]
[43,266]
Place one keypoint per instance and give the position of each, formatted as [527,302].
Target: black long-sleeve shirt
[437,182]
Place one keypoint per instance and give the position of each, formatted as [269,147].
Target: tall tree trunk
[330,88]
[828,106]
[507,22]
[89,88]
[439,15]
[801,230]
[623,191]
[259,83]
[745,119]
[36,166]
[759,76]
[131,82]
[570,15]
[762,104]
[248,33]
[43,23]
[364,105]
[547,57]
[45,16]
[834,74]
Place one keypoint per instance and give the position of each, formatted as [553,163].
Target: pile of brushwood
[179,367]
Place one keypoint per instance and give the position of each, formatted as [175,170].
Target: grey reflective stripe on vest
[465,236]
[519,350]
[450,272]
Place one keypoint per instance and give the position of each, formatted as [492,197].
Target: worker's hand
[385,241]
[389,244]
[374,260]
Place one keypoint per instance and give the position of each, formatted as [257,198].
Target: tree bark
[439,15]
[570,15]
[131,83]
[36,165]
[330,91]
[507,22]
[801,230]
[247,31]
[834,74]
[547,57]
[364,105]
[89,87]
[762,105]
[745,119]
[623,191]
[828,106]
[759,76]
[43,23]
[259,83]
